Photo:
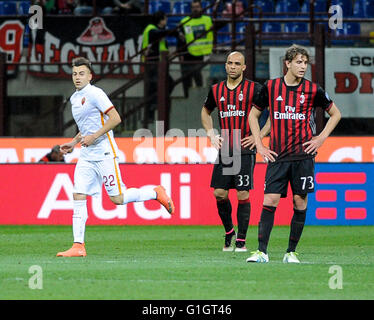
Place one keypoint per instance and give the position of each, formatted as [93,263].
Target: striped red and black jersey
[233,107]
[292,114]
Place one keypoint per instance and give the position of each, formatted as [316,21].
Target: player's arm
[313,145]
[265,153]
[68,147]
[113,120]
[207,123]
[250,141]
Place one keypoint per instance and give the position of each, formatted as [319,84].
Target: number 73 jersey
[292,112]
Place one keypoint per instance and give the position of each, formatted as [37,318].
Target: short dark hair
[81,61]
[293,51]
[158,16]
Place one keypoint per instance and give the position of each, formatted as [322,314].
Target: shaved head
[236,54]
[235,66]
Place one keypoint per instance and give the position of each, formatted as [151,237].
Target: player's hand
[248,142]
[67,148]
[313,145]
[216,141]
[88,140]
[267,154]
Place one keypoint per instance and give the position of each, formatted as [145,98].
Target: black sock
[224,211]
[264,227]
[243,214]
[297,226]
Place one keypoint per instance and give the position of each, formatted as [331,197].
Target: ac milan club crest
[302,98]
[241,96]
[96,33]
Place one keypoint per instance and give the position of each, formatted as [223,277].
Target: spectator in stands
[48,6]
[154,43]
[127,6]
[200,44]
[66,6]
[85,7]
[55,155]
[239,9]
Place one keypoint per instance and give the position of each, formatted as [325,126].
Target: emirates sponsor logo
[290,114]
[231,112]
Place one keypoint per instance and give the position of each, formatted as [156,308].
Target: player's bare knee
[242,195]
[221,194]
[271,200]
[300,201]
[79,196]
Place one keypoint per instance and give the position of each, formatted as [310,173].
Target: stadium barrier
[41,194]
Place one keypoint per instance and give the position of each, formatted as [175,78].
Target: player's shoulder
[95,89]
[217,84]
[96,92]
[255,83]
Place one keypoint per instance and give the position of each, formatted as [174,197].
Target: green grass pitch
[184,262]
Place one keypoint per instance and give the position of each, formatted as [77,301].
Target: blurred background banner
[344,195]
[349,80]
[98,38]
[349,75]
[177,150]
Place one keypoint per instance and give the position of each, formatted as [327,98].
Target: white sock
[79,219]
[136,195]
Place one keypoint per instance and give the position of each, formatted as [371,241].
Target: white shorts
[89,176]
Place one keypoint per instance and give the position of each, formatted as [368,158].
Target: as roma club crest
[83,100]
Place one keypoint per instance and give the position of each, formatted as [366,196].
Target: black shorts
[236,175]
[299,173]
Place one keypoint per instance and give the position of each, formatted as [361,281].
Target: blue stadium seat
[223,38]
[320,6]
[159,5]
[287,6]
[182,7]
[297,27]
[8,8]
[346,6]
[205,4]
[363,9]
[273,27]
[349,28]
[172,24]
[265,5]
[23,7]
[240,28]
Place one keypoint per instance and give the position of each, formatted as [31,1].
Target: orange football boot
[77,250]
[164,199]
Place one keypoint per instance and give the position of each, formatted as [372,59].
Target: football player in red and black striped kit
[292,102]
[233,98]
